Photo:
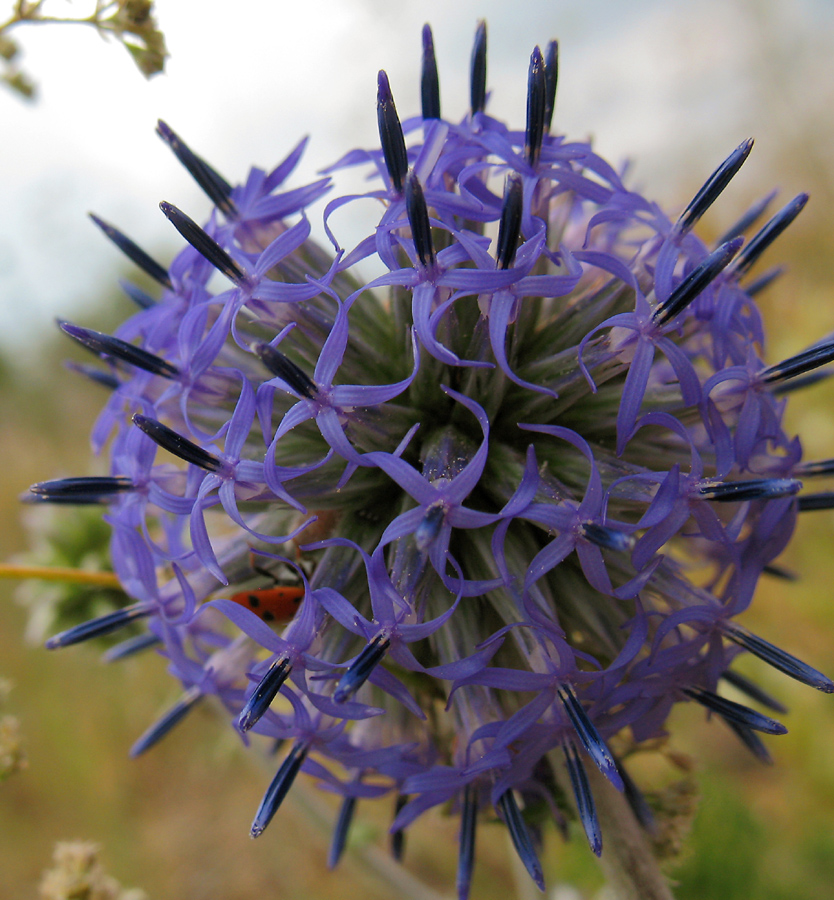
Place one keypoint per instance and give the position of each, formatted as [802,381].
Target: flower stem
[627,860]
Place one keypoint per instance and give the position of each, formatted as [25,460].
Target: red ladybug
[272,604]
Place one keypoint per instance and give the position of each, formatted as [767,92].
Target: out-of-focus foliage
[131,22]
[77,874]
[12,757]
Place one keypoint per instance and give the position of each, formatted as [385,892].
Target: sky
[673,85]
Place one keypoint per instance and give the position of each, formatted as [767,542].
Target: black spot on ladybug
[254,601]
[267,616]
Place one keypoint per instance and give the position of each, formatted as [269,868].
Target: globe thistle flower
[452,534]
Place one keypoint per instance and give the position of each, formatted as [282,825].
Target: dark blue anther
[167,722]
[116,348]
[264,693]
[206,246]
[756,211]
[809,359]
[105,379]
[754,489]
[398,836]
[585,805]
[735,712]
[764,238]
[134,253]
[340,832]
[509,226]
[695,282]
[216,188]
[285,369]
[779,659]
[279,787]
[551,74]
[607,538]
[360,669]
[713,187]
[477,84]
[81,491]
[795,384]
[521,837]
[391,134]
[429,527]
[589,737]
[752,741]
[175,443]
[536,107]
[137,295]
[429,81]
[102,625]
[418,219]
[815,502]
[131,647]
[752,690]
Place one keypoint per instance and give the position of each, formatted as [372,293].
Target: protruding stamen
[429,81]
[340,832]
[769,233]
[285,369]
[748,219]
[107,345]
[753,691]
[696,281]
[391,134]
[590,738]
[134,253]
[100,626]
[398,836]
[509,227]
[735,712]
[279,787]
[820,467]
[781,572]
[551,74]
[752,741]
[713,187]
[429,527]
[206,246]
[641,809]
[131,647]
[520,837]
[764,281]
[754,489]
[418,218]
[360,669]
[477,86]
[466,840]
[175,443]
[81,491]
[809,359]
[815,502]
[173,717]
[585,805]
[216,188]
[137,295]
[779,659]
[607,538]
[536,107]
[796,384]
[105,379]
[264,693]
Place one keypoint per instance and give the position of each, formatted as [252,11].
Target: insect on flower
[272,604]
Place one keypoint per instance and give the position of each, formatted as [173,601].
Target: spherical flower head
[429,529]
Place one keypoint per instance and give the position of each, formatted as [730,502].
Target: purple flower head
[477,473]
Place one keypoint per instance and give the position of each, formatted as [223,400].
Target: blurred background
[673,86]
